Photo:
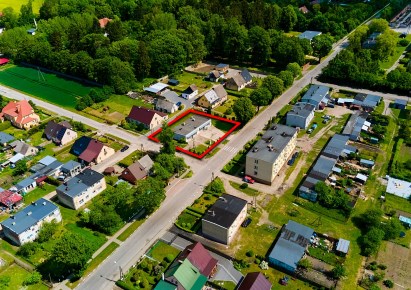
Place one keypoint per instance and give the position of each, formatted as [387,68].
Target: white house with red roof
[20,114]
[149,118]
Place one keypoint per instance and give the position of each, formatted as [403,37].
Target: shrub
[229,111]
[382,266]
[34,278]
[378,275]
[28,249]
[249,253]
[403,42]
[388,283]
[244,185]
[257,261]
[169,258]
[124,285]
[305,264]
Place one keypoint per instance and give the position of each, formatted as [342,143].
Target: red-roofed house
[3,60]
[104,21]
[149,118]
[20,114]
[255,281]
[96,152]
[10,199]
[200,258]
[304,9]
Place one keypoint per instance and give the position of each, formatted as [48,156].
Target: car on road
[178,104]
[295,155]
[246,222]
[291,162]
[248,179]
[125,148]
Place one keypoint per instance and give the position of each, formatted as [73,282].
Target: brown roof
[220,91]
[92,151]
[104,21]
[200,258]
[138,170]
[304,9]
[238,80]
[255,281]
[143,115]
[109,170]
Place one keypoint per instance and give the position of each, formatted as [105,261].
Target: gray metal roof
[273,142]
[5,138]
[302,109]
[317,94]
[309,34]
[225,210]
[191,124]
[355,123]
[70,165]
[401,102]
[291,245]
[24,183]
[324,166]
[343,246]
[335,146]
[29,216]
[366,161]
[47,160]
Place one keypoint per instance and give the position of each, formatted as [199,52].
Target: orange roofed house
[20,114]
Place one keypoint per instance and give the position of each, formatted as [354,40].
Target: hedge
[190,208]
[124,285]
[194,212]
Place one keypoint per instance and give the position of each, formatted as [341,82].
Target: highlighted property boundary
[152,137]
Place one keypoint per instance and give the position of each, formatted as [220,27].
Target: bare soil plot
[398,262]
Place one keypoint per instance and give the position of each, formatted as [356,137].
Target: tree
[261,97]
[26,14]
[166,138]
[325,194]
[287,77]
[150,193]
[28,249]
[392,229]
[215,186]
[115,30]
[371,241]
[322,45]
[274,84]
[370,219]
[260,43]
[294,68]
[244,110]
[386,44]
[33,278]
[378,25]
[142,64]
[288,18]
[47,231]
[289,50]
[104,218]
[160,172]
[21,168]
[338,272]
[236,40]
[70,254]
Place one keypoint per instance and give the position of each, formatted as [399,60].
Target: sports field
[16,4]
[46,86]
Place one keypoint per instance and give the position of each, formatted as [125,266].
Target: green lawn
[221,125]
[226,285]
[38,193]
[396,202]
[160,250]
[96,239]
[188,221]
[187,79]
[391,60]
[249,191]
[49,87]
[227,105]
[328,257]
[130,230]
[204,202]
[17,276]
[16,4]
[130,159]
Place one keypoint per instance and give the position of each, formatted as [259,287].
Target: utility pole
[212,176]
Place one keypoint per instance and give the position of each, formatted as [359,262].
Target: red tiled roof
[143,115]
[92,151]
[20,110]
[41,179]
[200,258]
[9,198]
[103,22]
[255,281]
[3,60]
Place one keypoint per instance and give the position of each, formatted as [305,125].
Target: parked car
[178,104]
[125,148]
[309,131]
[291,161]
[248,179]
[295,155]
[246,222]
[325,121]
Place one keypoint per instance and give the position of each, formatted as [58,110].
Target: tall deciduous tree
[274,84]
[260,43]
[322,45]
[244,110]
[166,138]
[261,97]
[288,18]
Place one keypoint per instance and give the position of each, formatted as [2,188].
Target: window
[256,161]
[256,167]
[255,172]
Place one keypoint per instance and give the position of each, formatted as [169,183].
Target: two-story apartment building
[24,226]
[267,157]
[81,188]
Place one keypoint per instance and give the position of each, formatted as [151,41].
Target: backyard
[16,4]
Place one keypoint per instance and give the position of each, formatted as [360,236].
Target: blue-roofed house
[400,104]
[309,34]
[24,186]
[81,188]
[5,138]
[290,246]
[406,221]
[317,95]
[342,247]
[71,168]
[367,163]
[25,225]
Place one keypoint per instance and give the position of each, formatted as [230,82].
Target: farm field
[16,4]
[46,86]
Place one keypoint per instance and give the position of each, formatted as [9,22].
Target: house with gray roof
[290,247]
[342,247]
[355,125]
[224,218]
[239,81]
[80,189]
[71,168]
[166,106]
[187,130]
[317,95]
[23,148]
[300,115]
[213,97]
[24,226]
[5,138]
[270,153]
[309,35]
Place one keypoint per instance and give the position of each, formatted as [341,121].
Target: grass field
[17,275]
[48,87]
[16,4]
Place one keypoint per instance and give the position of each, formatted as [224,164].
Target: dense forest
[158,37]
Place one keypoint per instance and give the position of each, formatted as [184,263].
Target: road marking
[230,149]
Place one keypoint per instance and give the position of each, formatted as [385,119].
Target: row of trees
[157,37]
